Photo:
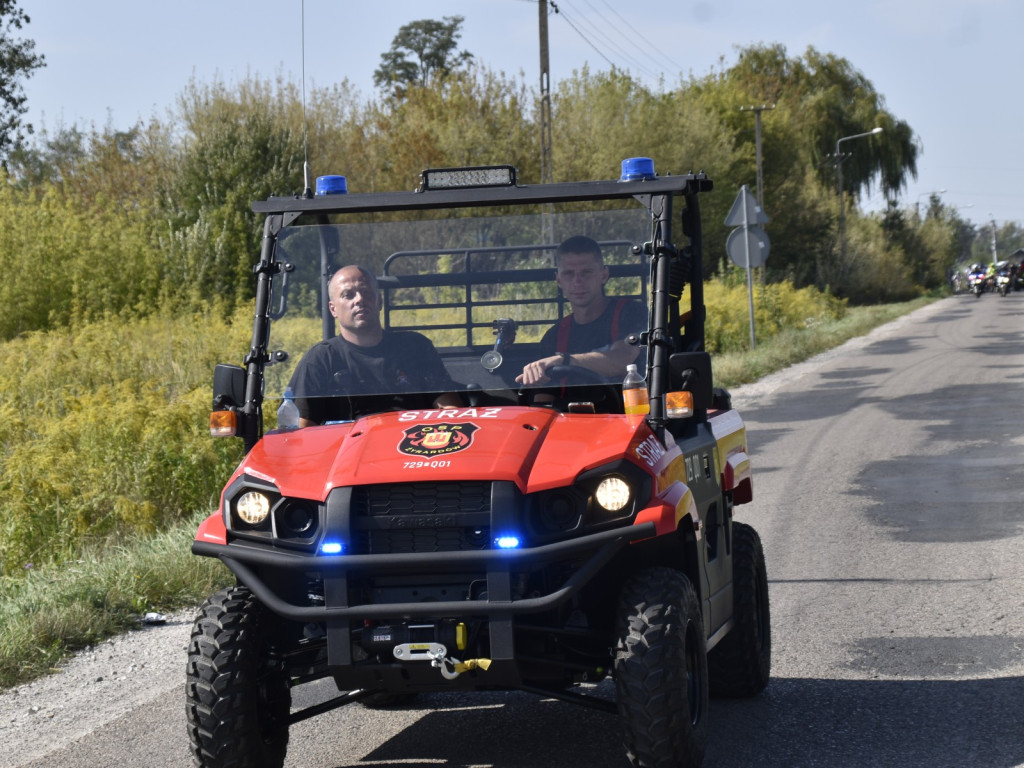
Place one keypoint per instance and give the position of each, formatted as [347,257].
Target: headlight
[253,507]
[612,494]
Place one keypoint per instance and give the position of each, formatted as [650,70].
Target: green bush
[777,307]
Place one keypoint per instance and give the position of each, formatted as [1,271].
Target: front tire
[661,673]
[238,698]
[740,665]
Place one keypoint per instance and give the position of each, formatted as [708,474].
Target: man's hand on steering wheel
[600,388]
[537,371]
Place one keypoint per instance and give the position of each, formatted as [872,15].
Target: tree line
[130,249]
[124,218]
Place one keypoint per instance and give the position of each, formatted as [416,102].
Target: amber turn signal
[679,405]
[223,423]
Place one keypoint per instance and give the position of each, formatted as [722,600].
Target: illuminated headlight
[612,494]
[252,507]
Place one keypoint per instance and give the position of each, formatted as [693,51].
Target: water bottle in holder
[288,412]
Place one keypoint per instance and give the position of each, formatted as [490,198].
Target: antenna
[308,191]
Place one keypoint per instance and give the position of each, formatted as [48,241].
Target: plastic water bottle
[634,392]
[288,412]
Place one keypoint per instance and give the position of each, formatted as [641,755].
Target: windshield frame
[672,267]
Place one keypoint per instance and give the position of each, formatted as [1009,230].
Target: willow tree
[830,99]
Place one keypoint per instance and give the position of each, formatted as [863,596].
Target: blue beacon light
[507,542]
[637,169]
[331,185]
[332,548]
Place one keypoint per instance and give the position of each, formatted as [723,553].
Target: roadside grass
[53,610]
[791,346]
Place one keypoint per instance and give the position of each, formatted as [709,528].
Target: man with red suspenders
[593,336]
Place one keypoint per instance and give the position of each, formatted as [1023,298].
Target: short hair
[579,244]
[367,274]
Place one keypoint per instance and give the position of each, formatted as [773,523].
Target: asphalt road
[887,490]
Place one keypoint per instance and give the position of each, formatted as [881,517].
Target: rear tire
[661,674]
[740,665]
[238,699]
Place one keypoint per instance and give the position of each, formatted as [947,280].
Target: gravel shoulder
[93,688]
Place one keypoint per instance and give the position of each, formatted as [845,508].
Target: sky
[948,68]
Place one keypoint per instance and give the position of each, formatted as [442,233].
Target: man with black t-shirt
[593,336]
[395,369]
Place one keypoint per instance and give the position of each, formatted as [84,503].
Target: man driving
[594,335]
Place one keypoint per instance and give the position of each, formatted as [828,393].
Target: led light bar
[468,178]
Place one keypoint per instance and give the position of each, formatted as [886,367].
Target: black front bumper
[597,548]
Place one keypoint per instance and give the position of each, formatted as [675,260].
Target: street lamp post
[842,207]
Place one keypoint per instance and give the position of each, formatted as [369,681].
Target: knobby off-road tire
[661,674]
[739,666]
[238,701]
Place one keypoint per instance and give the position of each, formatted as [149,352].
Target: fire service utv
[526,538]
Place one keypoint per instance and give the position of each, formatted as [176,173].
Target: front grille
[421,517]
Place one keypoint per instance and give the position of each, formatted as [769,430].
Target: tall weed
[777,307]
[104,431]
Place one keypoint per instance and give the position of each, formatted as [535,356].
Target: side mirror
[691,371]
[228,386]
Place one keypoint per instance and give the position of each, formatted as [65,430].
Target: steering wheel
[605,391]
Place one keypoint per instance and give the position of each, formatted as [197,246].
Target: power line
[584,37]
[616,40]
[665,58]
[589,29]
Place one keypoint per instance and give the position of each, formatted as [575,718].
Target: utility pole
[995,256]
[757,146]
[546,174]
[545,97]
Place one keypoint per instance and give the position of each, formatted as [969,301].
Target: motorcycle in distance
[977,279]
[1004,279]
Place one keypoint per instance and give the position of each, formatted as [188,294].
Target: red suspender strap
[616,314]
[562,342]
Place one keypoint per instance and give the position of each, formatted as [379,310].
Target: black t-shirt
[403,371]
[598,333]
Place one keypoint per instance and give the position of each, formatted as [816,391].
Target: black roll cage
[671,331]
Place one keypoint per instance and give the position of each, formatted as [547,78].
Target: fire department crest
[437,439]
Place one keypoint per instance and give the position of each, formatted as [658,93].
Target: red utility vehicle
[530,538]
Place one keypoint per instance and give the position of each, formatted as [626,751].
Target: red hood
[535,448]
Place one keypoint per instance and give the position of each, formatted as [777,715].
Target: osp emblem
[437,439]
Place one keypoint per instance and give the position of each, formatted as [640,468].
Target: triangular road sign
[752,215]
